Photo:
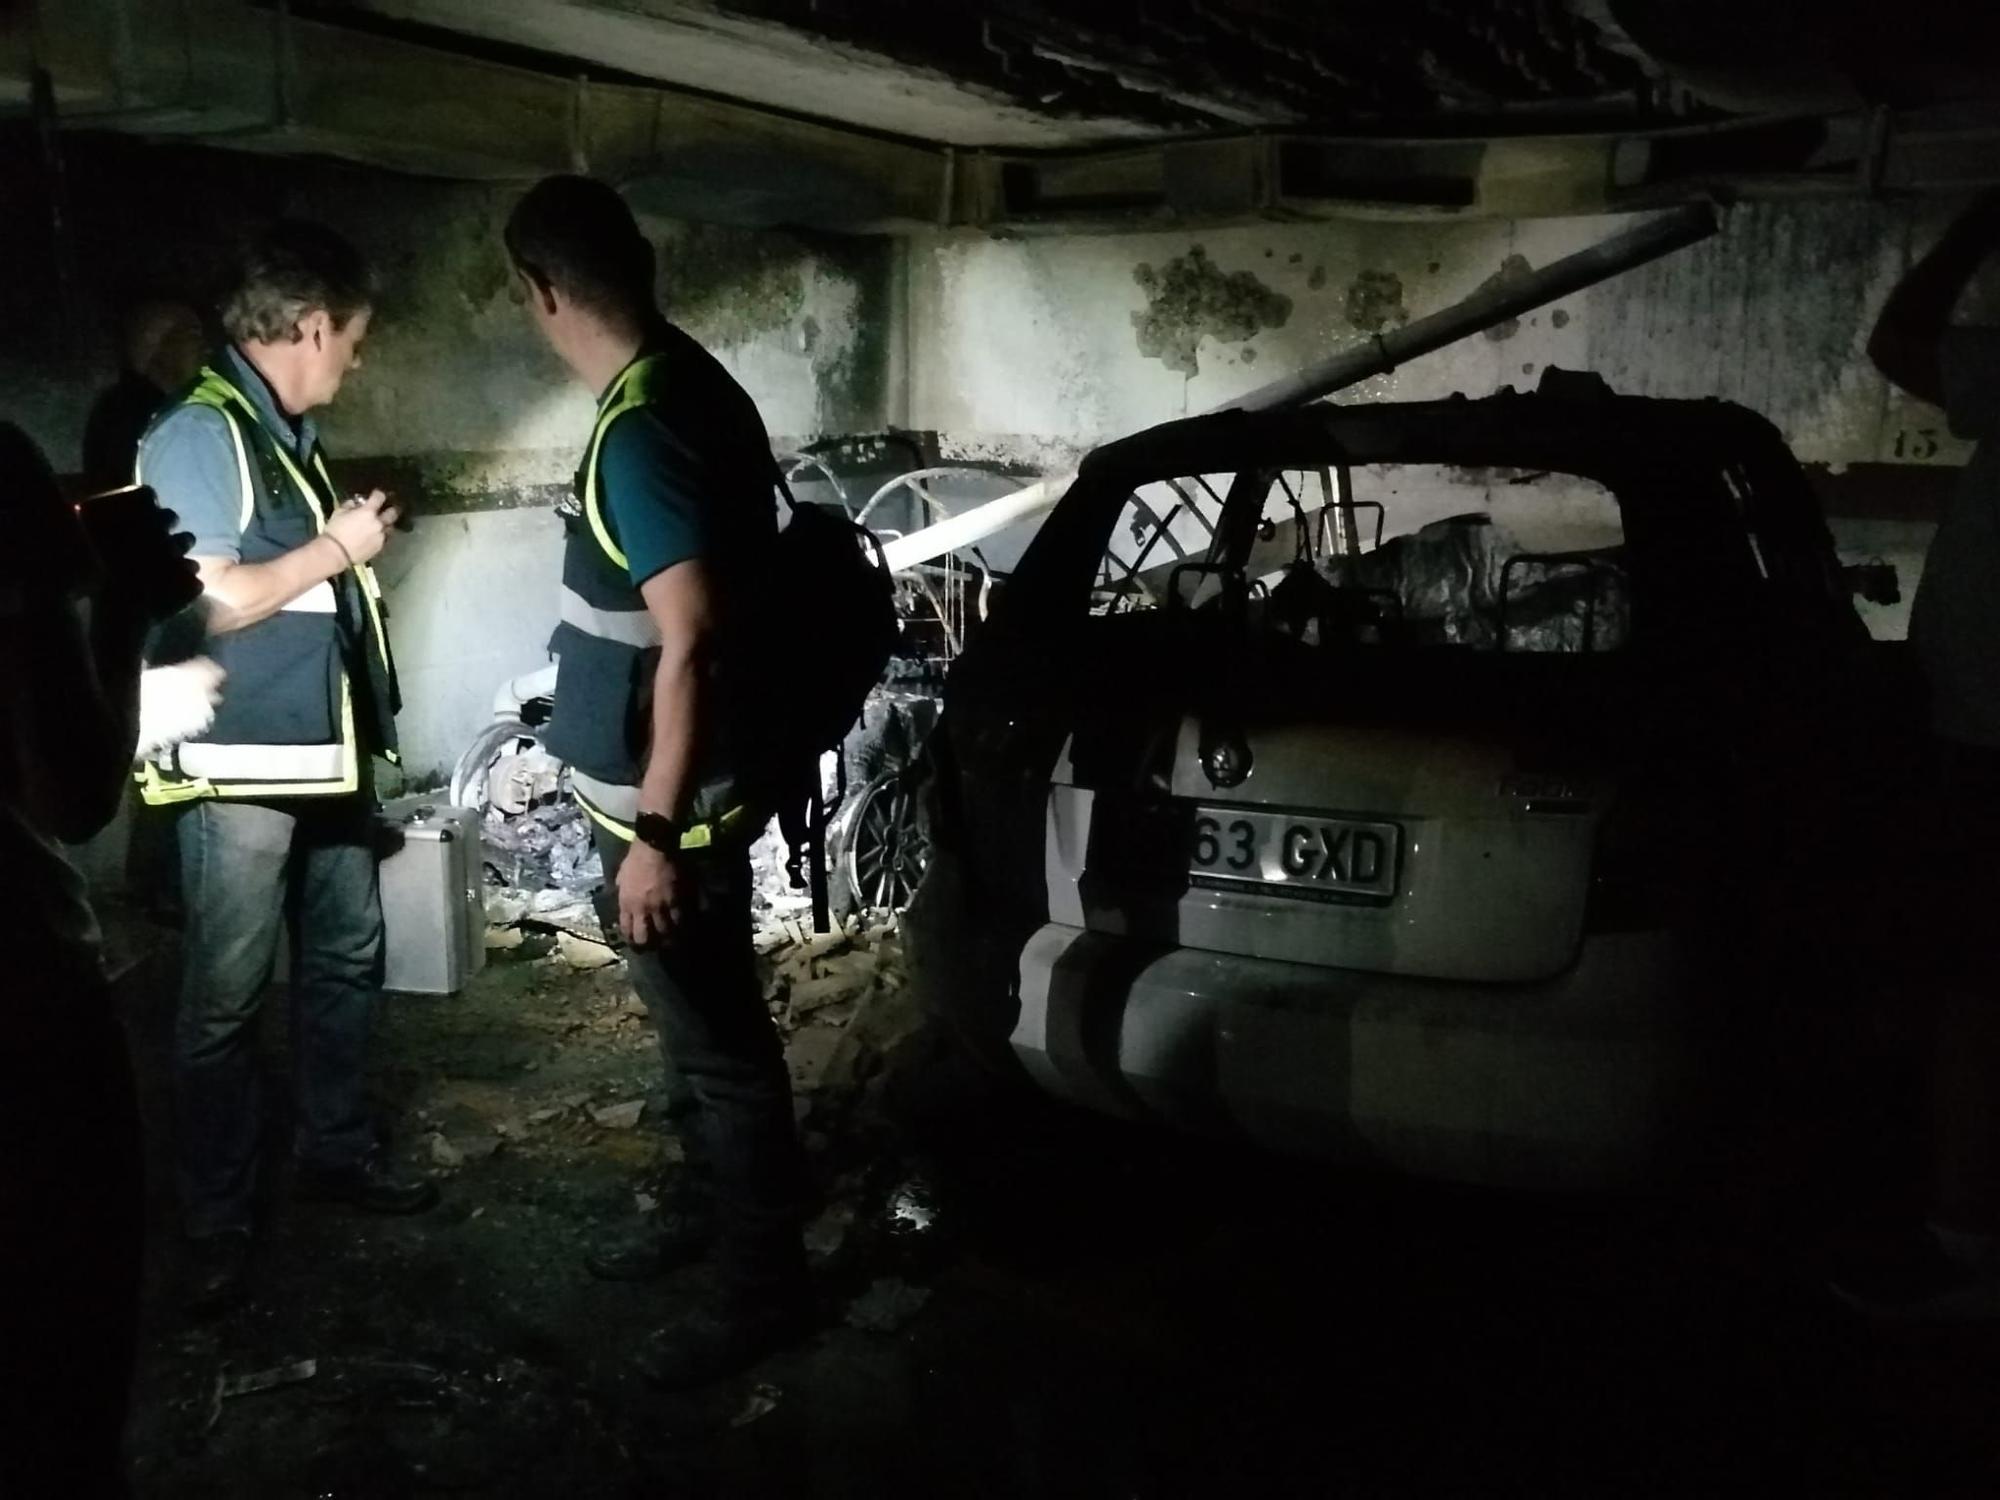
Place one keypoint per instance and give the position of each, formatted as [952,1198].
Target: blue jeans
[245,868]
[729,1094]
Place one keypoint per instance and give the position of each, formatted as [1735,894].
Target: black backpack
[832,574]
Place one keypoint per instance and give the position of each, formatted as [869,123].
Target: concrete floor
[1111,1312]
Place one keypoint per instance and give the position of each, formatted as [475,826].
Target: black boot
[217,1272]
[371,1185]
[670,1239]
[714,1342]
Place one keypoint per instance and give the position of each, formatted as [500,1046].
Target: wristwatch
[659,830]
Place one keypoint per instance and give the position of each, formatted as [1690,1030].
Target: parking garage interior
[1398,910]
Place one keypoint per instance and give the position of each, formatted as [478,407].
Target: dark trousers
[245,868]
[72,1216]
[728,1092]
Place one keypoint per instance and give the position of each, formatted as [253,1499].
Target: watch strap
[659,830]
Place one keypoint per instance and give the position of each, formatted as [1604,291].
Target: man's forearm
[246,593]
[668,785]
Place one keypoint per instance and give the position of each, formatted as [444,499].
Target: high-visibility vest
[609,650]
[310,690]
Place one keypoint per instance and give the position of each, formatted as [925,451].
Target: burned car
[1438,786]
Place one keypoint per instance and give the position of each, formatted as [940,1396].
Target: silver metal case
[433,904]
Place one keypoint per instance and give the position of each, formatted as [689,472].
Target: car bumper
[1578,1081]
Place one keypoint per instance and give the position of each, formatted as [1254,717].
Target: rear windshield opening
[1384,556]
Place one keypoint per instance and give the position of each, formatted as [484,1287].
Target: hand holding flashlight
[361,527]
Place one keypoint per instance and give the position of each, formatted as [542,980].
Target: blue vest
[311,691]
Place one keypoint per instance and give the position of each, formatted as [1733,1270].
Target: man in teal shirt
[670,539]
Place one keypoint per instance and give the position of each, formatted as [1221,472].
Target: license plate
[1294,849]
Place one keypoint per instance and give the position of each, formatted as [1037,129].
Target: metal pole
[1384,352]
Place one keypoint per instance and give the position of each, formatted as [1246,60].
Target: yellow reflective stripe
[630,391]
[370,593]
[596,515]
[351,781]
[591,509]
[157,790]
[609,824]
[217,391]
[214,392]
[304,484]
[369,596]
[242,473]
[225,387]
[700,836]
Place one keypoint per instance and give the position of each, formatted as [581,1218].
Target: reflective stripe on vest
[371,591]
[616,808]
[202,396]
[201,769]
[633,388]
[255,770]
[628,627]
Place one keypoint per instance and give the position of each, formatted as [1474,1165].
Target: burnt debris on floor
[1017,1299]
[466,1351]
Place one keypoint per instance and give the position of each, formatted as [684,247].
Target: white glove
[176,703]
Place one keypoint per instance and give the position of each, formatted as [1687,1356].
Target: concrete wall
[458,408]
[1021,346]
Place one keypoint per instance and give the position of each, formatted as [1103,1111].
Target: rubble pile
[842,999]
[534,837]
[842,1003]
[543,848]
[772,896]
[533,924]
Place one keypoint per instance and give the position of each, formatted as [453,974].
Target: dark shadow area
[1110,1310]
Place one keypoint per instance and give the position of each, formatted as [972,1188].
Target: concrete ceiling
[1015,74]
[1018,74]
[747,58]
[1032,116]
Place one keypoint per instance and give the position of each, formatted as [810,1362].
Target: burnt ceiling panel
[1038,74]
[1025,74]
[1053,117]
[1272,62]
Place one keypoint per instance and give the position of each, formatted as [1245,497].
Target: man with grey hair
[274,802]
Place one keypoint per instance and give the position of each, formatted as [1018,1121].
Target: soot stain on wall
[1191,298]
[851,359]
[726,286]
[1375,301]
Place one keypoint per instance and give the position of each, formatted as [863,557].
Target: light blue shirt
[189,459]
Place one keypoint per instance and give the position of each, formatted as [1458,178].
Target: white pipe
[1647,240]
[971,527]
